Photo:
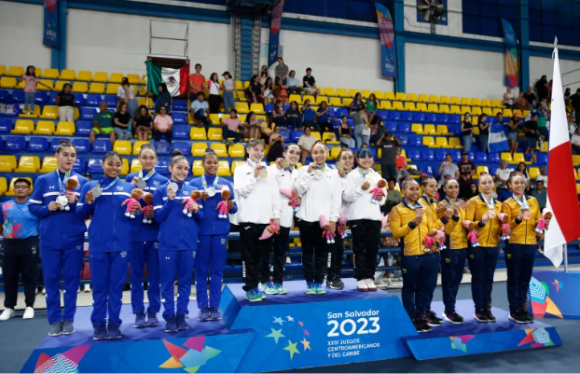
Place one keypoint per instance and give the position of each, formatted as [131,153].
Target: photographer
[389,145]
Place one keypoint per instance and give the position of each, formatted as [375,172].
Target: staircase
[247,38]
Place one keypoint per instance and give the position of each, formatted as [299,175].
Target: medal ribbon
[148,176]
[62,183]
[490,204]
[410,206]
[109,186]
[214,185]
[524,203]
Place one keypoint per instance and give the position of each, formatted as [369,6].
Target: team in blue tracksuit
[109,247]
[62,235]
[177,247]
[145,251]
[213,235]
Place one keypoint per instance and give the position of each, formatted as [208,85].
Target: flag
[50,32]
[387,40]
[511,54]
[175,79]
[275,25]
[497,141]
[562,199]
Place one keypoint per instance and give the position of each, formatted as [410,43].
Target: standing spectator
[531,97]
[513,129]
[323,118]
[281,72]
[372,105]
[467,131]
[575,103]
[544,107]
[126,93]
[540,194]
[293,116]
[345,132]
[268,92]
[483,132]
[448,169]
[276,142]
[305,142]
[163,98]
[122,121]
[214,88]
[502,177]
[309,84]
[543,177]
[466,173]
[253,125]
[377,128]
[278,114]
[230,127]
[542,88]
[543,129]
[509,98]
[308,114]
[522,170]
[102,124]
[401,165]
[256,90]
[393,196]
[293,84]
[229,92]
[389,147]
[20,232]
[264,74]
[163,125]
[199,109]
[356,102]
[196,83]
[567,93]
[31,81]
[362,133]
[532,135]
[66,102]
[143,124]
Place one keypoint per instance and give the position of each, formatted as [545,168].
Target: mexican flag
[176,79]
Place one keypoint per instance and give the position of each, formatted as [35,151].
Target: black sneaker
[528,317]
[453,318]
[517,317]
[335,284]
[480,316]
[433,320]
[421,325]
[490,317]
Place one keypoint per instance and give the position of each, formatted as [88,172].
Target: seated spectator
[543,177]
[199,109]
[102,124]
[197,83]
[281,72]
[502,176]
[473,191]
[542,88]
[448,169]
[308,114]
[66,103]
[575,141]
[293,116]
[543,129]
[305,142]
[293,84]
[356,102]
[276,142]
[509,98]
[467,131]
[214,86]
[521,103]
[267,128]
[401,166]
[362,133]
[255,90]
[264,74]
[323,118]
[372,105]
[393,196]
[230,127]
[540,194]
[544,107]
[281,94]
[126,93]
[532,135]
[253,125]
[345,133]
[530,97]
[523,171]
[163,98]
[163,125]
[278,114]
[377,128]
[122,121]
[483,132]
[309,84]
[466,174]
[143,123]
[268,94]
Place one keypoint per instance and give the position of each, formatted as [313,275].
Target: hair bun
[176,153]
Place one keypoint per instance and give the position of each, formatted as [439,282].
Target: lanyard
[430,201]
[449,201]
[214,184]
[489,204]
[410,206]
[253,164]
[524,203]
[148,176]
[110,184]
[290,168]
[62,183]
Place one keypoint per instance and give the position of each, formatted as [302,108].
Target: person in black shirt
[530,97]
[121,122]
[466,129]
[532,135]
[483,132]
[309,84]
[542,88]
[66,102]
[389,144]
[255,90]
[143,123]
[512,135]
[575,103]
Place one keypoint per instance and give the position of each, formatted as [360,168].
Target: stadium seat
[219,149]
[417,128]
[6,125]
[102,146]
[125,169]
[49,164]
[481,170]
[519,157]
[148,102]
[428,141]
[59,85]
[180,132]
[198,133]
[94,165]
[389,96]
[327,138]
[65,129]
[101,77]
[485,102]
[198,149]
[50,74]
[14,143]
[475,102]
[80,165]
[397,105]
[10,191]
[481,157]
[197,168]
[83,128]
[534,172]
[257,108]
[44,128]
[329,91]
[80,87]
[237,151]
[243,107]
[28,164]
[441,142]
[79,101]
[49,112]
[429,129]
[7,163]
[224,169]
[7,82]
[23,126]
[443,130]
[3,186]
[180,106]
[116,78]
[508,157]
[476,111]
[112,89]
[46,82]
[88,113]
[455,143]
[342,92]
[68,74]
[179,118]
[162,148]
[82,145]
[444,108]
[135,166]
[2,70]
[15,71]
[97,88]
[215,118]
[181,146]
[111,101]
[496,103]
[215,134]
[137,145]
[85,76]
[93,100]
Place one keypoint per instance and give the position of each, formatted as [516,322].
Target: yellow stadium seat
[507,113]
[321,99]
[534,172]
[198,149]
[454,109]
[116,78]
[23,126]
[49,164]
[444,108]
[465,101]
[235,164]
[215,119]
[475,102]
[429,129]
[327,138]
[112,88]
[397,105]
[444,100]
[455,143]
[148,102]
[428,141]
[454,100]
[296,98]
[10,191]
[197,133]
[441,142]
[15,71]
[390,96]
[424,98]
[44,128]
[45,82]
[21,84]
[7,164]
[257,108]
[224,169]
[122,147]
[3,186]
[346,102]
[518,112]
[136,166]
[544,149]
[142,90]
[334,151]
[59,85]
[125,168]
[401,96]
[476,111]
[480,170]
[243,107]
[443,130]
[134,78]
[487,111]
[85,76]
[308,97]
[576,160]
[384,104]
[80,87]
[101,77]
[508,157]
[35,112]
[97,88]
[329,91]
[68,74]
[577,188]
[485,102]
[316,134]
[7,82]
[417,128]
[49,112]
[519,157]
[463,110]
[215,134]
[352,92]
[379,95]
[342,92]
[144,79]
[2,69]
[411,97]
[433,108]
[220,149]
[495,111]
[236,151]
[137,146]
[434,99]
[365,94]
[28,164]
[239,85]
[496,103]
[421,107]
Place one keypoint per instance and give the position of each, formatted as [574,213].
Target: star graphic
[278,320]
[276,334]
[291,348]
[306,344]
[306,333]
[301,323]
[290,319]
[557,284]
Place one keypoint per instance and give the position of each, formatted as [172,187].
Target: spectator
[267,128]
[268,94]
[102,124]
[122,121]
[281,72]
[466,173]
[323,118]
[163,98]
[230,127]
[448,168]
[401,165]
[473,191]
[230,92]
[393,196]
[293,84]
[567,93]
[356,102]
[199,110]
[278,114]
[513,129]
[531,97]
[214,87]
[575,103]
[502,176]
[509,98]
[499,118]
[264,74]
[66,102]
[540,194]
[523,171]
[308,114]
[253,125]
[293,116]
[309,84]
[281,94]
[521,103]
[126,93]
[543,107]
[377,128]
[306,142]
[532,135]
[143,124]
[196,83]
[256,90]
[467,131]
[575,141]
[483,132]
[362,133]
[543,177]
[31,81]
[163,125]
[542,88]
[389,146]
[276,142]
[372,105]
[345,133]
[543,129]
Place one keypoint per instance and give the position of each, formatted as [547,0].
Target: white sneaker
[44,290]
[28,313]
[7,314]
[87,288]
[362,285]
[370,284]
[288,260]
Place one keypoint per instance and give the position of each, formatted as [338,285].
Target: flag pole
[566,257]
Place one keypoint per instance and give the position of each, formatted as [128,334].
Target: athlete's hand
[277,223]
[148,213]
[257,170]
[89,197]
[71,197]
[279,163]
[53,206]
[230,205]
[365,186]
[311,167]
[135,208]
[134,181]
[193,207]
[332,227]
[448,213]
[204,196]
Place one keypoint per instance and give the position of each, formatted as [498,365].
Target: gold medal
[491,214]
[284,164]
[264,173]
[369,177]
[318,173]
[527,214]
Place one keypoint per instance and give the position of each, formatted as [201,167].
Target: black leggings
[158,134]
[314,251]
[366,239]
[214,103]
[20,260]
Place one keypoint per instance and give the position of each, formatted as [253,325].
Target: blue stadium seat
[40,98]
[441,118]
[83,145]
[180,132]
[406,116]
[414,154]
[93,100]
[6,125]
[391,126]
[37,144]
[492,169]
[17,96]
[4,96]
[83,128]
[287,106]
[184,147]
[341,112]
[454,129]
[404,127]
[296,134]
[440,155]
[350,122]
[50,99]
[456,155]
[102,146]
[404,140]
[163,148]
[481,157]
[428,156]
[426,169]
[94,165]
[493,158]
[419,117]
[180,105]
[80,165]
[162,166]
[383,114]
[79,99]
[416,141]
[15,143]
[430,118]
[269,108]
[88,113]
[472,156]
[542,158]
[394,115]
[55,142]
[179,118]
[286,135]
[454,118]
[111,100]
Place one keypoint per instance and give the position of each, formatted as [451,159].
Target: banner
[511,54]
[497,141]
[387,34]
[275,24]
[50,33]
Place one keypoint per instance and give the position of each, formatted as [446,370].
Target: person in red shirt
[197,83]
[466,173]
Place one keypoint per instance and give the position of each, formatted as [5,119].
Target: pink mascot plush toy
[148,200]
[223,205]
[270,230]
[131,202]
[543,221]
[342,226]
[294,198]
[379,188]
[472,235]
[195,195]
[325,226]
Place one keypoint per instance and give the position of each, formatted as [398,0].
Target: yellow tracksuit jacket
[400,220]
[524,231]
[488,233]
[457,234]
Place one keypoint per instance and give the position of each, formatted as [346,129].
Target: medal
[491,214]
[97,190]
[172,186]
[339,166]
[284,164]
[210,191]
[264,173]
[141,184]
[318,173]
[369,177]
[527,214]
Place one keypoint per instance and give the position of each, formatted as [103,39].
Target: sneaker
[254,295]
[68,327]
[87,288]
[371,285]
[99,331]
[7,314]
[214,313]
[288,260]
[421,325]
[279,289]
[517,317]
[44,290]
[310,289]
[28,313]
[181,322]
[335,283]
[55,329]
[319,289]
[269,289]
[171,325]
[362,285]
[152,319]
[140,320]
[203,315]
[453,318]
[480,316]
[490,317]
[529,318]
[113,332]
[433,320]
